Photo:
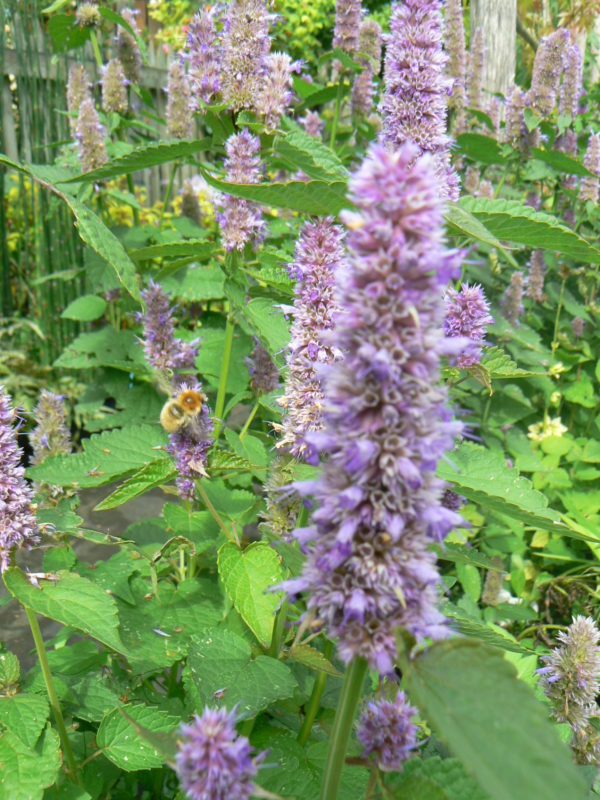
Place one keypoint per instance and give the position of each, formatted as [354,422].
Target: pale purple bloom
[18,525]
[515,132]
[457,57]
[475,72]
[78,90]
[535,279]
[370,48]
[204,56]
[577,326]
[90,138]
[214,762]
[50,437]
[241,220]
[414,106]
[190,446]
[114,88]
[264,375]
[319,255]
[347,24]
[471,182]
[313,124]
[362,92]
[275,94]
[467,316]
[512,299]
[163,351]
[369,42]
[190,206]
[486,189]
[387,732]
[370,570]
[571,86]
[547,69]
[494,111]
[87,15]
[245,51]
[533,200]
[588,189]
[179,114]
[127,49]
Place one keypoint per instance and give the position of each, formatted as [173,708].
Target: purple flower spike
[78,90]
[347,25]
[319,255]
[127,49]
[572,82]
[512,299]
[457,63]
[179,114]
[313,124]
[245,51]
[163,351]
[276,94]
[204,56]
[547,69]
[588,189]
[90,138]
[189,447]
[468,315]
[264,375]
[387,733]
[577,326]
[363,88]
[241,220]
[515,131]
[535,279]
[476,67]
[370,570]
[214,762]
[50,437]
[114,89]
[416,87]
[18,525]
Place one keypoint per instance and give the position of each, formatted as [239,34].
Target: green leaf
[470,580]
[26,771]
[463,223]
[313,659]
[151,475]
[198,249]
[312,156]
[106,347]
[85,308]
[117,19]
[106,457]
[435,779]
[501,366]
[269,323]
[195,284]
[311,197]
[66,34]
[247,576]
[10,669]
[480,148]
[482,476]
[25,715]
[144,157]
[486,633]
[510,221]
[467,691]
[561,162]
[123,745]
[220,662]
[582,392]
[70,600]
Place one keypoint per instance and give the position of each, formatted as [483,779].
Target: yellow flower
[544,430]
[556,369]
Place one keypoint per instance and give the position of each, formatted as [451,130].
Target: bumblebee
[183,413]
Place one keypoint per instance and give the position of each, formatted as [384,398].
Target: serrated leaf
[313,659]
[311,197]
[220,663]
[501,366]
[310,155]
[70,600]
[222,461]
[26,771]
[465,691]
[195,284]
[248,575]
[151,475]
[269,323]
[106,347]
[561,162]
[462,222]
[512,222]
[429,778]
[25,715]
[485,633]
[122,744]
[482,476]
[480,148]
[85,308]
[66,34]
[198,249]
[144,157]
[10,669]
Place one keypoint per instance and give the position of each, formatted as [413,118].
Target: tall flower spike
[90,138]
[512,299]
[276,92]
[475,72]
[214,762]
[547,69]
[50,437]
[114,90]
[370,569]
[572,82]
[387,733]
[190,207]
[514,128]
[535,279]
[18,525]
[457,61]
[179,114]
[468,316]
[369,42]
[128,51]
[494,110]
[264,375]
[588,189]
[347,25]
[282,507]
[370,48]
[78,90]
[244,54]
[416,88]
[319,255]
[163,351]
[241,220]
[313,124]
[189,447]
[204,55]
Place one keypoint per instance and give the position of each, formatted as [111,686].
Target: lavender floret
[245,50]
[179,115]
[241,220]
[468,316]
[204,56]
[90,138]
[163,351]
[50,437]
[387,732]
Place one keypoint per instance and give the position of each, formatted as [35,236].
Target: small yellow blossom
[555,398]
[556,369]
[544,430]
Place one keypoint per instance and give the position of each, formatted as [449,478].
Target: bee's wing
[163,380]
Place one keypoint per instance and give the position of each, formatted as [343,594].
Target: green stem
[96,49]
[557,320]
[336,115]
[213,511]
[52,696]
[314,702]
[277,636]
[168,194]
[247,727]
[222,391]
[248,422]
[342,727]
